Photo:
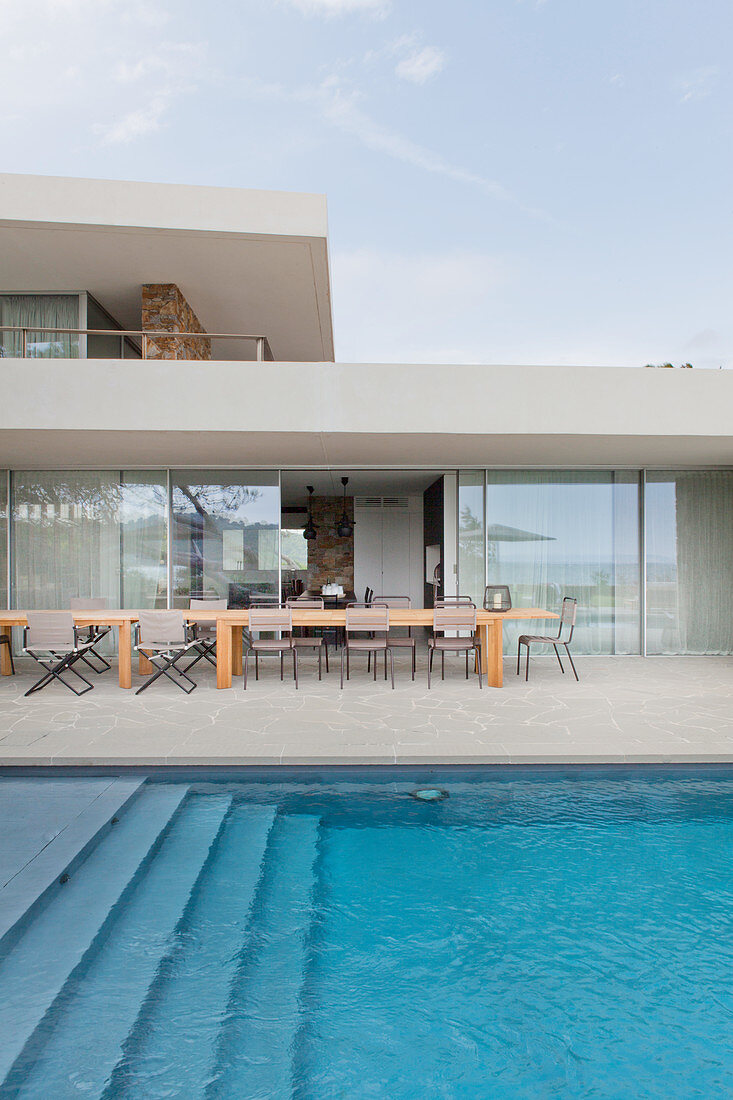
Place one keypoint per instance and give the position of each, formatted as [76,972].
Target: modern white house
[169,390]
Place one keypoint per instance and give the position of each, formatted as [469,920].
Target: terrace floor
[625,709]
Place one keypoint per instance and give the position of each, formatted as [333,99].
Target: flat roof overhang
[104,413]
[252,262]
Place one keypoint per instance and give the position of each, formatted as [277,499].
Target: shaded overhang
[251,262]
[97,413]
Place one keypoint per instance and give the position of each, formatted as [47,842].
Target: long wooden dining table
[229,626]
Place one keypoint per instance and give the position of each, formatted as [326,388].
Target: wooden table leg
[5,666]
[236,651]
[144,667]
[492,653]
[224,653]
[125,657]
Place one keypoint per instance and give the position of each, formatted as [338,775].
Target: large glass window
[471,536]
[689,562]
[555,533]
[89,533]
[226,535]
[4,538]
[40,315]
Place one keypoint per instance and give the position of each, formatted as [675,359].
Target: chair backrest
[461,617]
[161,628]
[271,618]
[368,595]
[454,601]
[305,603]
[568,615]
[87,603]
[391,601]
[50,630]
[373,619]
[264,599]
[207,605]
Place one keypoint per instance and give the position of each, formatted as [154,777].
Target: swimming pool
[533,934]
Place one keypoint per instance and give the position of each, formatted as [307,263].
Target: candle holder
[497,598]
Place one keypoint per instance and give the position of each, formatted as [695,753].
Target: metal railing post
[260,349]
[24,343]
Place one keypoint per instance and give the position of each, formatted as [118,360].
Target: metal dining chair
[367,631]
[309,641]
[279,621]
[400,641]
[453,618]
[568,615]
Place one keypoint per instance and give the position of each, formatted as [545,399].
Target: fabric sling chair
[458,617]
[95,632]
[205,631]
[164,637]
[56,644]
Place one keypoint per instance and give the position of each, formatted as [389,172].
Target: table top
[414,616]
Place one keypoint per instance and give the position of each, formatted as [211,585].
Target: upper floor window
[32,324]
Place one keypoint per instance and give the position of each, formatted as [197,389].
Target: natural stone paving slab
[624,709]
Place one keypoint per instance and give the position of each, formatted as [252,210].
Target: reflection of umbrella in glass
[498,532]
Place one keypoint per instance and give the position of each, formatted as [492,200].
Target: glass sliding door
[471,535]
[689,562]
[89,533]
[555,533]
[4,539]
[226,535]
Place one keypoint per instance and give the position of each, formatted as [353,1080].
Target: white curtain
[689,519]
[143,539]
[38,312]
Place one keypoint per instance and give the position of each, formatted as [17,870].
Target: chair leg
[246,663]
[414,648]
[375,667]
[282,665]
[572,663]
[557,654]
[257,665]
[320,662]
[466,664]
[391,664]
[342,667]
[430,664]
[295,666]
[385,664]
[442,664]
[369,661]
[519,654]
[325,647]
[526,671]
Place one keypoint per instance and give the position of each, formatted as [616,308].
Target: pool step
[258,1040]
[40,962]
[172,1048]
[84,1035]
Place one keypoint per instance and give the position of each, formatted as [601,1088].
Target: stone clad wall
[164,307]
[331,558]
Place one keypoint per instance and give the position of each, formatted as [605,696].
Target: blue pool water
[531,935]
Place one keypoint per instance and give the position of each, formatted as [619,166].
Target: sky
[508,181]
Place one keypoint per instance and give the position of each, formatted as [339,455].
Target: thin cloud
[331,8]
[698,84]
[135,124]
[421,65]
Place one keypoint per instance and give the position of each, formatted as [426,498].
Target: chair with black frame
[165,638]
[457,617]
[277,620]
[205,631]
[309,641]
[95,633]
[53,640]
[568,616]
[367,631]
[368,595]
[399,641]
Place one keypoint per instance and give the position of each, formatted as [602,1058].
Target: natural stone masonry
[165,308]
[331,558]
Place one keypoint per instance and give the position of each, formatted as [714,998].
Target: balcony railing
[74,343]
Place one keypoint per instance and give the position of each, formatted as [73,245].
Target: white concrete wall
[107,412]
